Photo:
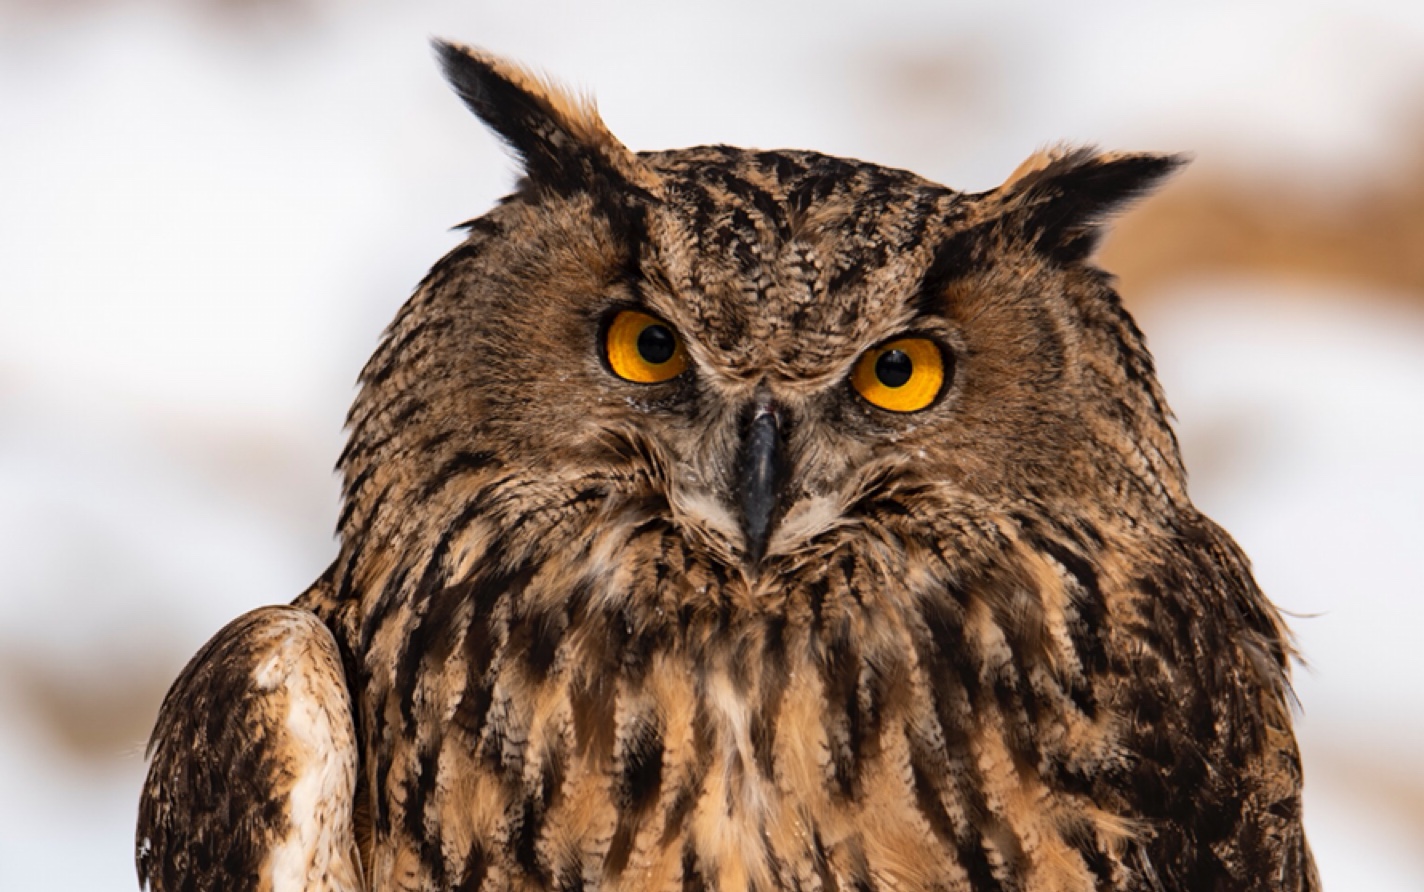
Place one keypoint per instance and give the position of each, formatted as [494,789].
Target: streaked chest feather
[651,733]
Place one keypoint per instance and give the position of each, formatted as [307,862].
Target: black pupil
[656,344]
[893,368]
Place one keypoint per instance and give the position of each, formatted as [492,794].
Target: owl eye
[903,375]
[643,349]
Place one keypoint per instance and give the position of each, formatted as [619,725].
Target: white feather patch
[318,852]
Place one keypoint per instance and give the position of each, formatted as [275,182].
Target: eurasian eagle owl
[747,521]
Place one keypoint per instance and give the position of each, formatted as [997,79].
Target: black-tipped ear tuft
[559,138]
[1064,198]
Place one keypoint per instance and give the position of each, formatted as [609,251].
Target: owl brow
[637,278]
[634,298]
[954,259]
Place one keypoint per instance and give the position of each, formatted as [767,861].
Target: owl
[721,520]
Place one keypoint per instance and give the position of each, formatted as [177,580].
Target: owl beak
[761,468]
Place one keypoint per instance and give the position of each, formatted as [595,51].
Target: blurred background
[209,210]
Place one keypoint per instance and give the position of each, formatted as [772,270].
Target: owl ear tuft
[558,136]
[1064,196]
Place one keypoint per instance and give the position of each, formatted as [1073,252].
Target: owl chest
[770,755]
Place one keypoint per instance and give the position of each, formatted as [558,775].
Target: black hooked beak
[761,470]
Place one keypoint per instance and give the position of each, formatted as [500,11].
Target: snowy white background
[208,210]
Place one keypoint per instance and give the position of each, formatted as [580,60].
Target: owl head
[757,353]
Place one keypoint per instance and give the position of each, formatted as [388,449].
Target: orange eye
[902,376]
[643,349]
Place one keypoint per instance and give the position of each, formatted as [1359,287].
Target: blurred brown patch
[1212,221]
[90,716]
[932,103]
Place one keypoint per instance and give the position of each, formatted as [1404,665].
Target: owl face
[756,348]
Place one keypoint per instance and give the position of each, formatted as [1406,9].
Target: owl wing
[253,765]
[1215,772]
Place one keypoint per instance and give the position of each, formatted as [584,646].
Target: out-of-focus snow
[203,229]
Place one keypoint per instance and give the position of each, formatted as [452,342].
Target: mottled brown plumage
[743,629]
